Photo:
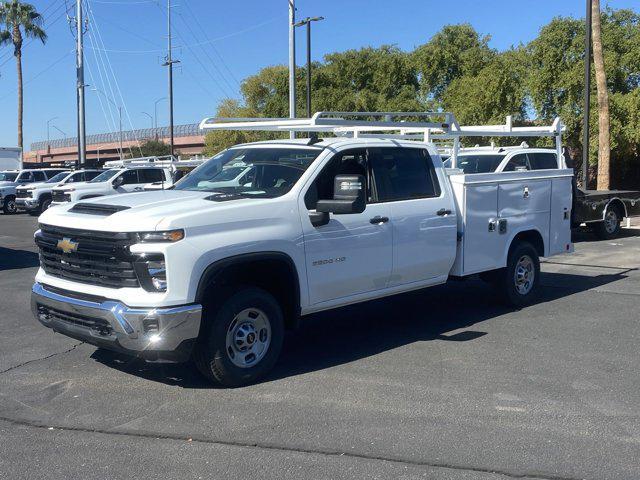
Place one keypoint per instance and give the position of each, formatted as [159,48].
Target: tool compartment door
[483,246]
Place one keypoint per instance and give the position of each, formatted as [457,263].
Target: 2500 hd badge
[327,261]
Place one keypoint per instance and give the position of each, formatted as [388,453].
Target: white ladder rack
[418,126]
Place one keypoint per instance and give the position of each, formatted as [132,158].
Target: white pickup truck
[218,272]
[111,182]
[35,198]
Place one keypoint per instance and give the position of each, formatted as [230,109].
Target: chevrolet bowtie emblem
[67,245]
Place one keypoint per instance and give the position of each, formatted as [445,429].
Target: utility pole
[82,146]
[587,93]
[169,63]
[292,62]
[307,21]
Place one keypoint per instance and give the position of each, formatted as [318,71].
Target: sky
[219,43]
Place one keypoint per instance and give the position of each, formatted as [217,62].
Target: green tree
[20,20]
[453,52]
[497,90]
[154,148]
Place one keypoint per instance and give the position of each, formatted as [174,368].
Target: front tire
[610,227]
[10,207]
[518,283]
[241,338]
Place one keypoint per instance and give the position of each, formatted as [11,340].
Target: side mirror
[348,196]
[118,182]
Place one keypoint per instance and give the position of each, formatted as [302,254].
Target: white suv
[111,182]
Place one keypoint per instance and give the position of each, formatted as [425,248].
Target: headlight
[166,236]
[152,272]
[67,190]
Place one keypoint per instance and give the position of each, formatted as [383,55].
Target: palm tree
[18,17]
[604,147]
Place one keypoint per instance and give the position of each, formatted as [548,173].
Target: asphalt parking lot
[440,384]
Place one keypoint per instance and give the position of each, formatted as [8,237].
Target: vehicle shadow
[11,259]
[358,331]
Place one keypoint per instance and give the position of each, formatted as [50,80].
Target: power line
[206,36]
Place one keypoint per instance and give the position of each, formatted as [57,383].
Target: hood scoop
[97,209]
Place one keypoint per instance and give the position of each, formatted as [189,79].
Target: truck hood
[7,184]
[145,211]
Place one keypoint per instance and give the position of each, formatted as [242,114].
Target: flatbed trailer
[603,210]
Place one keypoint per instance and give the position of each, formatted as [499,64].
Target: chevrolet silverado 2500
[217,271]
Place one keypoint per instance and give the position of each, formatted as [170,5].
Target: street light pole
[292,62]
[48,126]
[119,115]
[307,21]
[150,117]
[155,111]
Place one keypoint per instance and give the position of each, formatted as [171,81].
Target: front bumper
[155,334]
[27,203]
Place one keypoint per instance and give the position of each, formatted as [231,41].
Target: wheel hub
[611,221]
[524,275]
[248,337]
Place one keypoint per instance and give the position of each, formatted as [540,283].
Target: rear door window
[517,163]
[543,161]
[150,175]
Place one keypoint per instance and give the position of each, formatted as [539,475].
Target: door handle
[377,220]
[442,212]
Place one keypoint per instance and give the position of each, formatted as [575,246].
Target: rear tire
[610,227]
[518,283]
[241,337]
[10,207]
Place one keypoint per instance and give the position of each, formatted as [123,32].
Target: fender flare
[606,208]
[218,266]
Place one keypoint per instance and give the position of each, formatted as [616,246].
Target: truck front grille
[22,194]
[60,196]
[97,258]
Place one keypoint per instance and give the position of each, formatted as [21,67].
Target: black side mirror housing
[117,182]
[349,196]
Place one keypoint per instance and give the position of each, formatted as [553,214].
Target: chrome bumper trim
[126,330]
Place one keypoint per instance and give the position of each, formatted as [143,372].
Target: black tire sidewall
[6,210]
[512,296]
[44,206]
[601,229]
[214,356]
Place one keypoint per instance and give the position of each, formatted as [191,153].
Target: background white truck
[217,272]
[36,198]
[113,181]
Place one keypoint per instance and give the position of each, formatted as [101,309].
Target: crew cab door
[422,213]
[352,253]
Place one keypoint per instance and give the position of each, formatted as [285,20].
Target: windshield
[8,176]
[251,172]
[104,176]
[57,178]
[479,163]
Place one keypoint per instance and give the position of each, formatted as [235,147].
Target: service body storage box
[494,207]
